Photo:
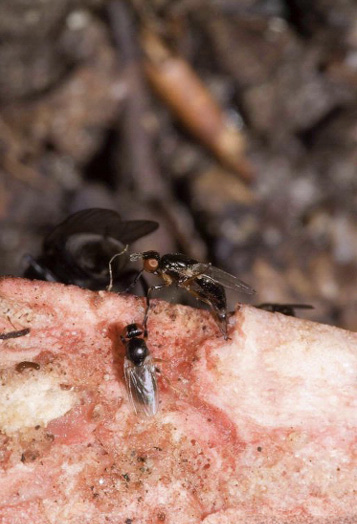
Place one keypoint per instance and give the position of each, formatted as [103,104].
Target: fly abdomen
[209,292]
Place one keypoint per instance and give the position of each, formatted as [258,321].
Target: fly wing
[97,221]
[222,277]
[134,229]
[141,385]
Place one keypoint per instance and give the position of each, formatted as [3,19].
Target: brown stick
[191,102]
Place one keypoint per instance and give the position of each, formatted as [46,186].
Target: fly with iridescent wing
[203,281]
[139,371]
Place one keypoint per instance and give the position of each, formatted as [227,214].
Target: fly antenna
[110,286]
[133,257]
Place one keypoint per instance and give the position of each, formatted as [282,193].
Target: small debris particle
[14,334]
[66,387]
[29,456]
[126,477]
[259,448]
[161,517]
[27,365]
[128,521]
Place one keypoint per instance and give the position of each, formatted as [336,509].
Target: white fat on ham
[300,378]
[32,401]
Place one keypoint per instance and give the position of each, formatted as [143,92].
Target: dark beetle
[203,281]
[285,309]
[78,250]
[139,371]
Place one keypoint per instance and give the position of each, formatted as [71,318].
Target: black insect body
[204,281]
[285,309]
[78,250]
[139,372]
[15,334]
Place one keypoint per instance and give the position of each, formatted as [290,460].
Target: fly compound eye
[151,265]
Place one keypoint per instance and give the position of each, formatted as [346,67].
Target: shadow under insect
[284,309]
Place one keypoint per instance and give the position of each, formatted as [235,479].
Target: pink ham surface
[259,429]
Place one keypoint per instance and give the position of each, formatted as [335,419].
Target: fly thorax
[136,351]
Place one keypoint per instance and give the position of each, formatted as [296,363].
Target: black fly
[139,371]
[203,281]
[285,309]
[78,250]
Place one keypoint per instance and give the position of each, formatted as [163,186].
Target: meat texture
[258,429]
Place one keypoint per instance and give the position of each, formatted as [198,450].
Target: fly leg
[134,282]
[148,296]
[37,270]
[110,286]
[221,320]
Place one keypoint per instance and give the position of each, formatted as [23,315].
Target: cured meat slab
[259,429]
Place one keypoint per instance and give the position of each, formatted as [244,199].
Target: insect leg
[136,279]
[148,296]
[221,319]
[110,286]
[37,270]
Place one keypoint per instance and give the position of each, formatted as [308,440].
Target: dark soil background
[81,127]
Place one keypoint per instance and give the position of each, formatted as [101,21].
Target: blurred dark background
[107,104]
